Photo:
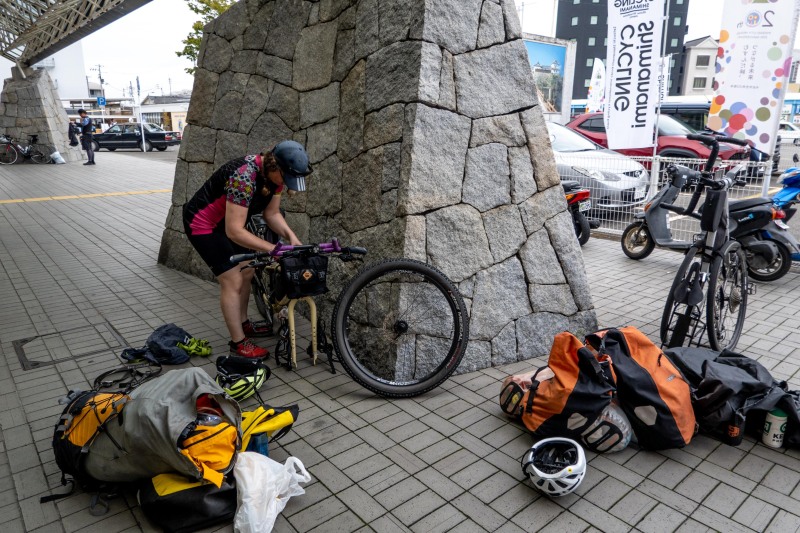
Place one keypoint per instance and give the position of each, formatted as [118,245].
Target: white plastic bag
[263,488]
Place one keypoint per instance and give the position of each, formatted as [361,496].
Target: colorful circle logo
[753,18]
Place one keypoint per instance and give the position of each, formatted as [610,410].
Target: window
[590,62]
[576,2]
[593,20]
[593,124]
[591,41]
[595,1]
[674,43]
[676,21]
[699,83]
[574,21]
[587,82]
[114,129]
[678,2]
[702,61]
[605,41]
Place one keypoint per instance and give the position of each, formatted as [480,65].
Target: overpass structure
[31,30]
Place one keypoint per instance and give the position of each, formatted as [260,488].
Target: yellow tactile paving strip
[81,196]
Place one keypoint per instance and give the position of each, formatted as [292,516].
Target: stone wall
[30,105]
[427,140]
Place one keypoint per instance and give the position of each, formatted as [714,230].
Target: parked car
[789,133]
[672,141]
[616,181]
[129,135]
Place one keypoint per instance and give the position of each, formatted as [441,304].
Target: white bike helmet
[556,466]
[611,432]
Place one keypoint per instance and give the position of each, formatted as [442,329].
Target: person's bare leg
[230,293]
[244,292]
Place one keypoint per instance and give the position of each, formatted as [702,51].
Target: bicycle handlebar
[282,249]
[710,140]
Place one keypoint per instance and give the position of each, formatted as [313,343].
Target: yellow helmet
[241,377]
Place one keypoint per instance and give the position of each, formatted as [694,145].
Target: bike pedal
[751,289]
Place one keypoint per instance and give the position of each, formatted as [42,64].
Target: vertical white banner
[663,77]
[632,70]
[597,87]
[753,64]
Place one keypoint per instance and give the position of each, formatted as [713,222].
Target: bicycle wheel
[727,299]
[40,154]
[8,154]
[261,287]
[400,328]
[680,318]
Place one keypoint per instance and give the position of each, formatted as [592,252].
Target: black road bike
[709,293]
[11,150]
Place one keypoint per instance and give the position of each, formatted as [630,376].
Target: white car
[616,180]
[790,133]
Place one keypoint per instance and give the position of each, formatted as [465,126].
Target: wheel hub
[400,327]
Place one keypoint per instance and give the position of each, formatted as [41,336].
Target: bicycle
[713,274]
[11,150]
[399,327]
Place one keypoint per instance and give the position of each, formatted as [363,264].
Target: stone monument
[29,105]
[421,120]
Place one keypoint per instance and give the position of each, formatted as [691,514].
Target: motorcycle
[579,202]
[789,195]
[755,222]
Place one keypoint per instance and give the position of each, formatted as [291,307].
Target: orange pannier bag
[566,396]
[651,390]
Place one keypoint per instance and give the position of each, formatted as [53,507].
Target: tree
[208,11]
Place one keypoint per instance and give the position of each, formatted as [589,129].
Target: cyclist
[215,218]
[87,130]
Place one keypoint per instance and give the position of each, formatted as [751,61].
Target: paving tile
[333,478]
[343,523]
[697,486]
[443,519]
[669,473]
[725,499]
[361,503]
[565,522]
[438,451]
[784,522]
[439,483]
[608,492]
[400,492]
[634,506]
[668,497]
[753,467]
[661,519]
[473,474]
[418,507]
[353,456]
[755,514]
[726,456]
[494,487]
[467,526]
[405,459]
[479,513]
[422,441]
[781,479]
[716,521]
[376,464]
[643,463]
[455,462]
[316,514]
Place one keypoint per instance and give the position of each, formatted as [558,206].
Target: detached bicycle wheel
[681,317]
[727,299]
[8,154]
[400,328]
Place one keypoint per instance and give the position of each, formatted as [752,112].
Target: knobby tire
[350,320]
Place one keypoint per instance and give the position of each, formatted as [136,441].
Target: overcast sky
[144,42]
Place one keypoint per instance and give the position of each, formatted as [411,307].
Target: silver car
[616,180]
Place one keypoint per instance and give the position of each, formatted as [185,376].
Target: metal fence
[621,187]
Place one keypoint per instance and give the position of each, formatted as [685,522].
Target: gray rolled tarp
[151,422]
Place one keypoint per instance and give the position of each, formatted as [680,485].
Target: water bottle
[774,428]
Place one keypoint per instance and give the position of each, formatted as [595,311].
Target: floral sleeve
[242,185]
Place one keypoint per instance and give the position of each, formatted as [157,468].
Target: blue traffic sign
[101,101]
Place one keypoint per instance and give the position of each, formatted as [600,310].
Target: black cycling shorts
[216,249]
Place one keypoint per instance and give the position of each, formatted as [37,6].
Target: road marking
[82,196]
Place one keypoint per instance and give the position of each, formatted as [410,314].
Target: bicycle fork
[689,293]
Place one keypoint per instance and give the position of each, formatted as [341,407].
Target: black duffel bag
[302,276]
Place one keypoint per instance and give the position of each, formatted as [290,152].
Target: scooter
[579,202]
[756,223]
[789,195]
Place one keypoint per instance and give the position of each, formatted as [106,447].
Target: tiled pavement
[447,461]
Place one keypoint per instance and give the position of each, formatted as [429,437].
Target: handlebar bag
[302,276]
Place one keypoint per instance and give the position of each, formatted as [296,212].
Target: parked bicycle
[711,282]
[399,327]
[11,150]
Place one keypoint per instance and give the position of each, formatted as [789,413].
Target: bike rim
[401,328]
[729,301]
[636,241]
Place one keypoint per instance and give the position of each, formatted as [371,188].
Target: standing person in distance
[87,130]
[215,218]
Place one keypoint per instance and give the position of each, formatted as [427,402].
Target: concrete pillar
[29,105]
[428,142]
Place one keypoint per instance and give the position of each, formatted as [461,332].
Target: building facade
[585,21]
[697,70]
